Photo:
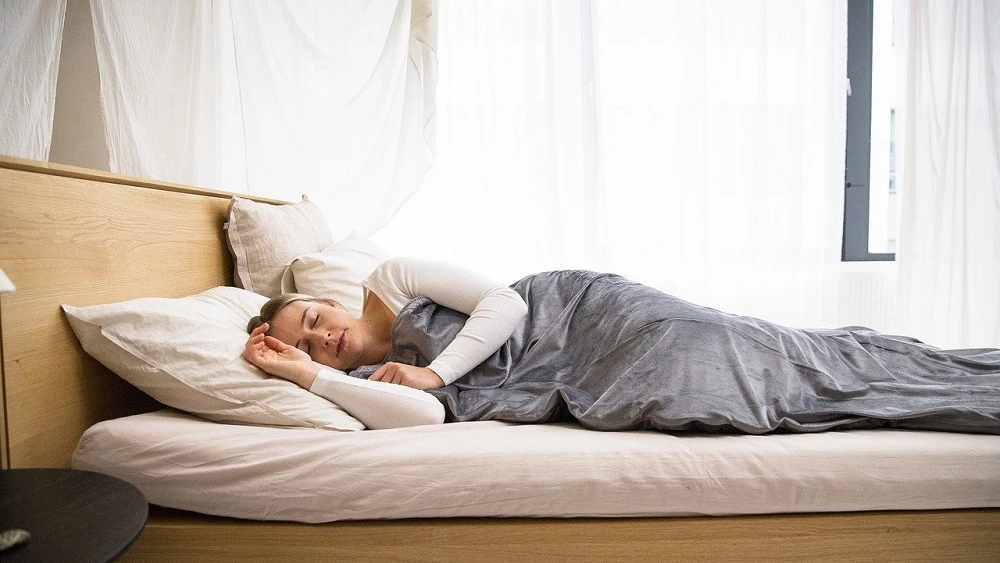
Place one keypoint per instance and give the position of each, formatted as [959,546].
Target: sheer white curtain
[333,105]
[30,39]
[949,254]
[330,99]
[158,62]
[694,146]
[514,175]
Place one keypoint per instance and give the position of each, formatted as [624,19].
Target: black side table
[72,515]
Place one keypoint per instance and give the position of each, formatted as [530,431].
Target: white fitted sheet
[561,470]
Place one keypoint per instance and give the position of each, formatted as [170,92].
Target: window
[870,195]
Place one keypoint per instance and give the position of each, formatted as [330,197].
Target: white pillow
[186,354]
[262,238]
[336,272]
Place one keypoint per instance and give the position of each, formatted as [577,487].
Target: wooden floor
[945,536]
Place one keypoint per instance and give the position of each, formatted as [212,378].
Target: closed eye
[304,345]
[307,346]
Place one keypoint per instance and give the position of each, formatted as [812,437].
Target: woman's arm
[494,309]
[377,405]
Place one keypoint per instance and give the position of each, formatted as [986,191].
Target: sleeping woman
[438,342]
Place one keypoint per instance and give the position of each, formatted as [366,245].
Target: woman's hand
[279,359]
[410,376]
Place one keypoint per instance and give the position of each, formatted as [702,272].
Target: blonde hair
[274,305]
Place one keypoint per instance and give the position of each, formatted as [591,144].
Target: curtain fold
[30,42]
[949,254]
[694,146]
[335,104]
[158,62]
[330,99]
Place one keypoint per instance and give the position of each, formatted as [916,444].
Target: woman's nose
[326,338]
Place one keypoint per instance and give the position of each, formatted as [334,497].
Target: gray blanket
[617,355]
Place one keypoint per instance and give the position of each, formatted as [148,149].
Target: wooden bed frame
[77,236]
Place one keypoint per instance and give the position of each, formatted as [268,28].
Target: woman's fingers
[254,349]
[386,374]
[405,374]
[257,334]
[273,343]
[258,345]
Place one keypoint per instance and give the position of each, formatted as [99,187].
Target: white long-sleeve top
[494,312]
[494,309]
[378,405]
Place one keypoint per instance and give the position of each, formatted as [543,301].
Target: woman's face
[330,335]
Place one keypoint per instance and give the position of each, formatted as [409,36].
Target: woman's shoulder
[396,271]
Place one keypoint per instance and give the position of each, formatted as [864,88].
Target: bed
[71,235]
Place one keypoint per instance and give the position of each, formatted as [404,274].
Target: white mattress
[499,469]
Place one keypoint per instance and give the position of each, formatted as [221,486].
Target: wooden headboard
[80,237]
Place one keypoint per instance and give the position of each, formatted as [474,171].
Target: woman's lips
[340,343]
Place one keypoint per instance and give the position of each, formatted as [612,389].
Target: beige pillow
[263,238]
[336,272]
[186,354]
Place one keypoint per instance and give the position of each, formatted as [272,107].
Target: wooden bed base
[76,236]
[961,535]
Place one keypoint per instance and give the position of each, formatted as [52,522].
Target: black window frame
[857,160]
